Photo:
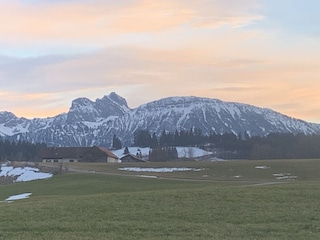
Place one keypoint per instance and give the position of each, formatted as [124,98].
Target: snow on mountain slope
[94,122]
[83,109]
[10,124]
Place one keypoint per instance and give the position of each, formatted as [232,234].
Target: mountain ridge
[90,123]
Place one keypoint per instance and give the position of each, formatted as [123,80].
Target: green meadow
[221,200]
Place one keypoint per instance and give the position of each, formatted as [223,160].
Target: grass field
[225,200]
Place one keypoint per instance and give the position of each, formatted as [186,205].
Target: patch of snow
[32,169]
[278,174]
[237,176]
[133,150]
[5,170]
[266,183]
[30,176]
[158,170]
[23,174]
[191,152]
[16,172]
[183,152]
[146,176]
[262,167]
[18,197]
[216,159]
[284,176]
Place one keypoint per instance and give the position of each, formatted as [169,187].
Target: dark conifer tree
[116,142]
[126,150]
[154,141]
[141,138]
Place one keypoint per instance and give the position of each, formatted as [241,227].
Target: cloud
[152,16]
[93,22]
[144,74]
[235,22]
[23,74]
[146,50]
[234,63]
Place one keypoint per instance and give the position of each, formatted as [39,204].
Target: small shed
[131,158]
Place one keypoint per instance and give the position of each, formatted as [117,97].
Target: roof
[71,152]
[108,152]
[132,156]
[63,152]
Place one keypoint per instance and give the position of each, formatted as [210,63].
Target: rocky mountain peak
[118,99]
[83,109]
[6,116]
[91,123]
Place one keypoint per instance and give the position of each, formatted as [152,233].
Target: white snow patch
[158,170]
[183,152]
[23,174]
[146,176]
[266,183]
[30,176]
[278,174]
[216,159]
[287,178]
[262,167]
[284,176]
[5,170]
[191,152]
[18,197]
[133,150]
[237,176]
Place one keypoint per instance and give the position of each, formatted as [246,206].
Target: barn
[77,154]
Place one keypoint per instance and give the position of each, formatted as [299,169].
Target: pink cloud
[198,46]
[87,21]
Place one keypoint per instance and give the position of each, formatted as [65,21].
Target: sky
[260,52]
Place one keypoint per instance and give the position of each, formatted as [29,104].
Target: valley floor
[218,200]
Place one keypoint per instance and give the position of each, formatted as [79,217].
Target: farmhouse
[77,154]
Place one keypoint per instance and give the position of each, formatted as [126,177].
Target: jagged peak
[5,116]
[81,101]
[6,113]
[107,99]
[114,97]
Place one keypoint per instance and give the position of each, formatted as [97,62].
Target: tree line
[143,138]
[235,146]
[19,151]
[227,145]
[159,154]
[281,146]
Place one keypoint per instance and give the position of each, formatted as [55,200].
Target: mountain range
[89,123]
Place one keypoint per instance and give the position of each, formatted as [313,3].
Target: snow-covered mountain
[90,123]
